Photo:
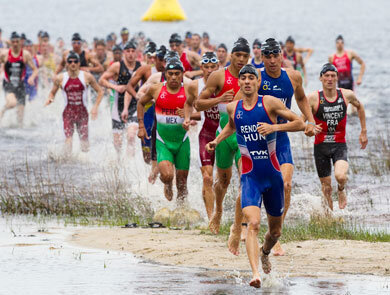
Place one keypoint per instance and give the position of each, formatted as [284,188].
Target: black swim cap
[28,43]
[248,69]
[23,36]
[130,45]
[328,67]
[109,38]
[14,35]
[76,37]
[150,49]
[73,55]
[116,48]
[257,42]
[290,39]
[222,45]
[45,35]
[339,38]
[174,64]
[206,35]
[160,53]
[175,38]
[270,46]
[171,54]
[241,45]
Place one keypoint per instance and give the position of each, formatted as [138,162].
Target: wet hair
[241,45]
[328,67]
[248,69]
[174,64]
[222,45]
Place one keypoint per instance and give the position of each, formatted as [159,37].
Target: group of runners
[242,104]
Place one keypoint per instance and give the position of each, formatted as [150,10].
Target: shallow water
[37,259]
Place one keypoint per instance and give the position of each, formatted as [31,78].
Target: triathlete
[294,57]
[256,61]
[223,56]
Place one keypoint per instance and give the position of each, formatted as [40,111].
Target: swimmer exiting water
[254,118]
[329,107]
[74,83]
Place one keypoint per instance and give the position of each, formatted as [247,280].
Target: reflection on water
[36,259]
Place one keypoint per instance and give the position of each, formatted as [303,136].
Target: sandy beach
[191,249]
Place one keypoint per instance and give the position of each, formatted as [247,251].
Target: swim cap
[175,38]
[141,35]
[73,55]
[109,38]
[241,45]
[206,35]
[124,31]
[76,37]
[174,64]
[23,36]
[257,42]
[130,45]
[339,38]
[160,53]
[151,49]
[328,67]
[270,46]
[209,57]
[28,43]
[248,69]
[45,35]
[171,54]
[222,45]
[290,39]
[116,48]
[188,34]
[14,35]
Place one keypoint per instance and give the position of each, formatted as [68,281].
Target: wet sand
[191,249]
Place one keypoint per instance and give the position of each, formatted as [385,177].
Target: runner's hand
[125,114]
[210,147]
[186,124]
[265,129]
[317,129]
[309,130]
[363,139]
[120,88]
[94,113]
[49,101]
[359,81]
[142,134]
[180,112]
[31,81]
[227,96]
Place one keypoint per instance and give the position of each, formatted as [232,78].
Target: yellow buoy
[164,10]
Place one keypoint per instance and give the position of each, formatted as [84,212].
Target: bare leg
[166,176]
[20,114]
[326,186]
[270,239]
[84,146]
[252,214]
[340,173]
[181,185]
[131,134]
[10,102]
[287,173]
[68,146]
[223,181]
[117,137]
[153,173]
[207,190]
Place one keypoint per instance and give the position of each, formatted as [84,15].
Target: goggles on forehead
[206,60]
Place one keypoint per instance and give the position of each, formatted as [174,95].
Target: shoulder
[294,75]
[87,76]
[216,75]
[155,87]
[26,54]
[347,93]
[59,78]
[231,107]
[312,96]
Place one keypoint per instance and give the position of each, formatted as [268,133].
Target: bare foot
[168,191]
[265,263]
[215,222]
[255,282]
[234,241]
[244,232]
[342,198]
[277,249]
[153,175]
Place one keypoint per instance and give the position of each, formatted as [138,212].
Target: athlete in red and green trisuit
[172,144]
[224,85]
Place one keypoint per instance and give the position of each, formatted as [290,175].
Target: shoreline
[189,248]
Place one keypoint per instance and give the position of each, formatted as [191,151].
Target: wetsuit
[329,144]
[257,66]
[31,91]
[344,68]
[227,150]
[281,88]
[119,99]
[75,111]
[261,179]
[186,64]
[14,73]
[209,125]
[172,142]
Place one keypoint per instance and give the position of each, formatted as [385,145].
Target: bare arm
[91,81]
[351,97]
[111,72]
[31,64]
[362,67]
[53,91]
[188,109]
[61,66]
[96,66]
[147,97]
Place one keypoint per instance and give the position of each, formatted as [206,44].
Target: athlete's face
[100,50]
[174,78]
[29,48]
[208,68]
[195,41]
[248,83]
[125,38]
[160,64]
[340,45]
[130,54]
[272,62]
[15,44]
[221,54]
[257,51]
[176,46]
[73,64]
[76,45]
[329,80]
[289,46]
[239,59]
[117,55]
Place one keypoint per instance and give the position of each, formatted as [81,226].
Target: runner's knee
[253,223]
[287,186]
[341,177]
[166,176]
[275,233]
[207,180]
